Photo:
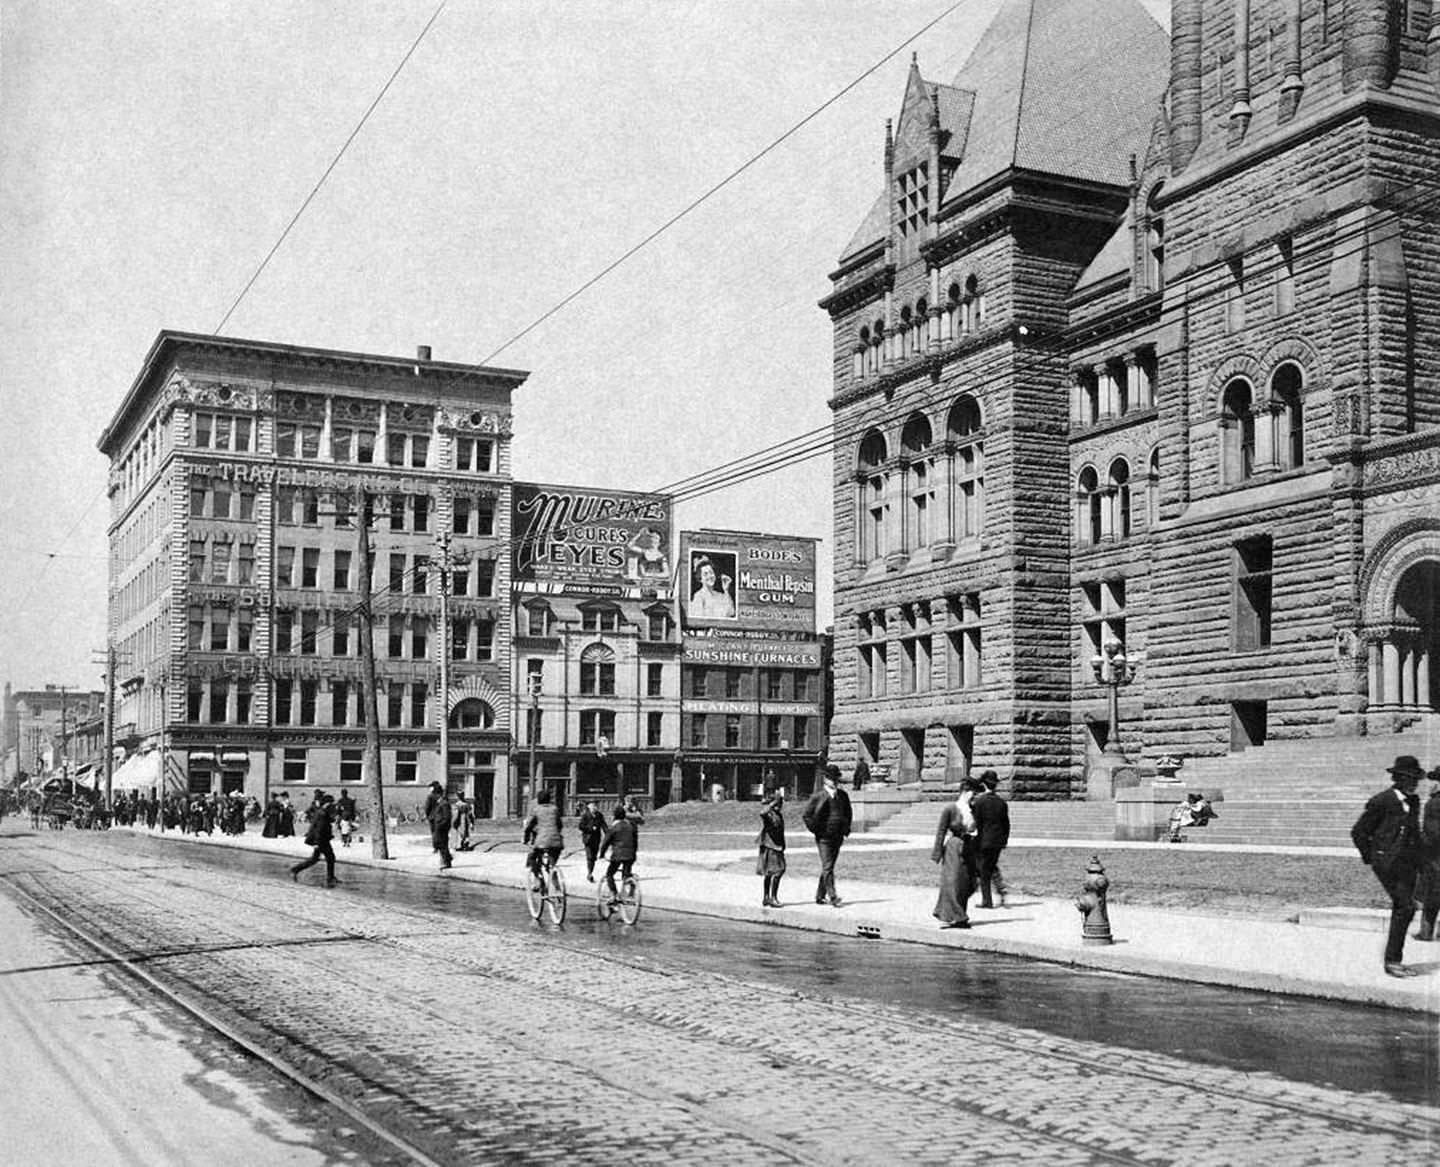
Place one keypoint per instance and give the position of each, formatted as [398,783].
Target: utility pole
[533,731]
[442,540]
[369,699]
[109,721]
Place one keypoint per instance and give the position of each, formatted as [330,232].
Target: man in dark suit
[827,816]
[992,832]
[1387,835]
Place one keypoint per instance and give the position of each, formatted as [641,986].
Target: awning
[202,755]
[140,772]
[232,757]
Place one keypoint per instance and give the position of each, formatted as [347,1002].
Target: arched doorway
[1405,642]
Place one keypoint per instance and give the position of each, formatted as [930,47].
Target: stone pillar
[1142,393]
[1264,416]
[1293,83]
[1422,676]
[900,515]
[1240,94]
[946,542]
[1376,681]
[1390,672]
[326,454]
[1107,514]
[382,436]
[1407,675]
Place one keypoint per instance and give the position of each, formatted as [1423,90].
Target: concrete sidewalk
[1337,963]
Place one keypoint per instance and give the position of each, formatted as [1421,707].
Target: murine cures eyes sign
[591,540]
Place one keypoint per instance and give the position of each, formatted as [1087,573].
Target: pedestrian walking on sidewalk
[287,816]
[592,831]
[317,836]
[954,850]
[1387,835]
[827,816]
[992,834]
[437,814]
[1427,889]
[771,863]
[464,821]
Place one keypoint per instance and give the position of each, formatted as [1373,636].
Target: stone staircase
[1303,793]
[1286,793]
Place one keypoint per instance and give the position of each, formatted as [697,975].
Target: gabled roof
[1113,259]
[1060,87]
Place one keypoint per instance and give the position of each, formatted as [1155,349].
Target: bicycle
[545,891]
[626,898]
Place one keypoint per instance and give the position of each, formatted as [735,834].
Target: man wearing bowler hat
[1387,835]
[827,816]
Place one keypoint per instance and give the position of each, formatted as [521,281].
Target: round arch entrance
[1402,626]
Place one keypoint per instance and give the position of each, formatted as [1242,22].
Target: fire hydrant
[1091,902]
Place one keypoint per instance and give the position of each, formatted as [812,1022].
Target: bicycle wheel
[630,900]
[555,901]
[534,894]
[603,904]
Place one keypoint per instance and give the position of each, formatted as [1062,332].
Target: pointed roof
[1062,87]
[1113,259]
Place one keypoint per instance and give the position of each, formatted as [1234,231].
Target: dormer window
[600,620]
[537,620]
[913,198]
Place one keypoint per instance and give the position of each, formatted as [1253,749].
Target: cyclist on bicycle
[542,831]
[622,841]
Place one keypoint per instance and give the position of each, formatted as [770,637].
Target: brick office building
[39,724]
[597,658]
[753,683]
[235,472]
[1135,353]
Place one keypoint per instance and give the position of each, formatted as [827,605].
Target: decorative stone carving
[1403,467]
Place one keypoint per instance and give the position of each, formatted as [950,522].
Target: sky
[152,152]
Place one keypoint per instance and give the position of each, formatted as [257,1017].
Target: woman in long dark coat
[771,862]
[954,851]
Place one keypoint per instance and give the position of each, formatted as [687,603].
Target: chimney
[422,352]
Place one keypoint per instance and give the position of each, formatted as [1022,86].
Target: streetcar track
[692,1029]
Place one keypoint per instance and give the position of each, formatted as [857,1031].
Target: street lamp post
[1113,670]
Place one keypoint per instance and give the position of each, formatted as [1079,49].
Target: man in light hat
[1387,835]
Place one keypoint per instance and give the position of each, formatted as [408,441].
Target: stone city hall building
[1137,378]
[235,472]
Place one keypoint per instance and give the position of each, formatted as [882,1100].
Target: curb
[859,926]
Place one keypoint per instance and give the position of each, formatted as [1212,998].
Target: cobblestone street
[481,1044]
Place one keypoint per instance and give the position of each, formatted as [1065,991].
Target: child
[771,862]
[622,840]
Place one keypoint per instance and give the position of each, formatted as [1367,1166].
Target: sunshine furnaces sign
[574,538]
[733,581]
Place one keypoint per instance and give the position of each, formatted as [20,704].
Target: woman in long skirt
[954,851]
[770,864]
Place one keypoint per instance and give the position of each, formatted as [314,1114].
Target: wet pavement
[1350,1047]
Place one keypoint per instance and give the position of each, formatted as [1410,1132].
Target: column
[1139,379]
[1390,678]
[934,308]
[1264,415]
[1107,514]
[945,544]
[1422,676]
[897,515]
[1077,396]
[382,434]
[1372,663]
[325,451]
[1109,406]
[1407,675]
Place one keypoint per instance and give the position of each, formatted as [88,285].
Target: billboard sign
[717,650]
[611,542]
[736,580]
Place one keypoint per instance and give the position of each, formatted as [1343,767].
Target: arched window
[952,312]
[1237,433]
[1152,490]
[1286,389]
[1154,244]
[472,713]
[974,304]
[597,671]
[915,441]
[1119,494]
[922,325]
[1088,499]
[964,429]
[874,496]
[862,349]
[907,333]
[877,345]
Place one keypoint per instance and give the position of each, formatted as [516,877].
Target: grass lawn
[1272,886]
